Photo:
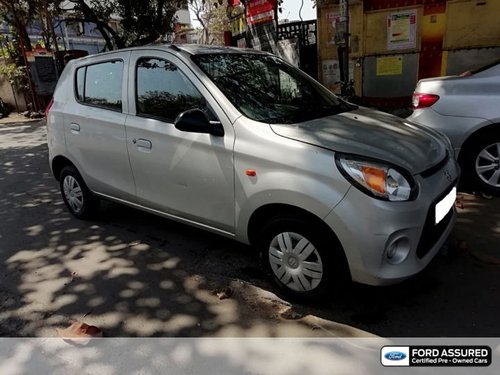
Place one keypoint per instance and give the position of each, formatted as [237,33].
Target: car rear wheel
[77,197]
[483,165]
[305,263]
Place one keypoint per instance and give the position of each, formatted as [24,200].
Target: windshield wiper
[321,111]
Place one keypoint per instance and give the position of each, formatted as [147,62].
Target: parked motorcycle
[4,109]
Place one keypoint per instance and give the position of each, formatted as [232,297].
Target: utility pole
[342,41]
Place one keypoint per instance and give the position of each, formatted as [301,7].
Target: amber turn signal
[375,178]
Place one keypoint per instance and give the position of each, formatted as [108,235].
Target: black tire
[83,205]
[473,159]
[327,253]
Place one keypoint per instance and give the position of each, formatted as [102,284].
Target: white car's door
[187,175]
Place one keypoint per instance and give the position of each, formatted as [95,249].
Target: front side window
[100,85]
[163,91]
[264,88]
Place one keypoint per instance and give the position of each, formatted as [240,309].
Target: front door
[188,175]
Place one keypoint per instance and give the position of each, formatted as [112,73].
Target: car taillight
[48,107]
[424,100]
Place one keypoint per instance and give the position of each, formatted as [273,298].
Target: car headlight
[380,180]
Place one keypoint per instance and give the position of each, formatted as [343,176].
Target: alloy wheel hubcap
[295,262]
[487,165]
[73,193]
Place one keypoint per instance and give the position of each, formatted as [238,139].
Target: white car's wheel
[487,165]
[482,165]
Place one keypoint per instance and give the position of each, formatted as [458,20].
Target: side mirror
[196,121]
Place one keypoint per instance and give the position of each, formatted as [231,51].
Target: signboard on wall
[402,30]
[331,73]
[330,70]
[335,25]
[390,65]
[332,18]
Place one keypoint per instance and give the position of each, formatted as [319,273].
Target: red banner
[259,11]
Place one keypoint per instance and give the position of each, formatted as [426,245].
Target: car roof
[190,49]
[201,49]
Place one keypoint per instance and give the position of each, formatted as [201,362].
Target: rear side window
[80,83]
[163,91]
[100,85]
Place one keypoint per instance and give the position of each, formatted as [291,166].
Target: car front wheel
[304,262]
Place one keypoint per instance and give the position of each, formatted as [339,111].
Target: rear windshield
[267,89]
[482,68]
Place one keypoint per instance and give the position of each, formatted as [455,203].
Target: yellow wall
[326,32]
[462,25]
[472,25]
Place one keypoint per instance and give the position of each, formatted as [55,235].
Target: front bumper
[370,229]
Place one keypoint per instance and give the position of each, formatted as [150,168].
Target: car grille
[432,232]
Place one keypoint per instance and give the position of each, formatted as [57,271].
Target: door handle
[143,143]
[74,128]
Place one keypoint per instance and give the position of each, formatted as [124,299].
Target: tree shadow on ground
[144,280]
[135,274]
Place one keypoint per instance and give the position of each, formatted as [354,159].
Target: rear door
[188,175]
[95,126]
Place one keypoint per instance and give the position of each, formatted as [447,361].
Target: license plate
[444,205]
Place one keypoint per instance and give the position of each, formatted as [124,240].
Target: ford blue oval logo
[395,356]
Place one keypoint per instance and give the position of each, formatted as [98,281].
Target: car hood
[371,134]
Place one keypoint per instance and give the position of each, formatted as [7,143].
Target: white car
[467,109]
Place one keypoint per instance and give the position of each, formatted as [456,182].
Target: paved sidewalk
[16,118]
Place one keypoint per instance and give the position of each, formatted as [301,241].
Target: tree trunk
[22,33]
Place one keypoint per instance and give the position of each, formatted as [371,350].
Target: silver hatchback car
[243,144]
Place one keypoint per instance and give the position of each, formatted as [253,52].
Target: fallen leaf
[224,293]
[79,330]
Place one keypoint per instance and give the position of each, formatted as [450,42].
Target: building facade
[394,43]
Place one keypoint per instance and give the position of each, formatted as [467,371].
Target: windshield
[480,69]
[265,88]
[486,66]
